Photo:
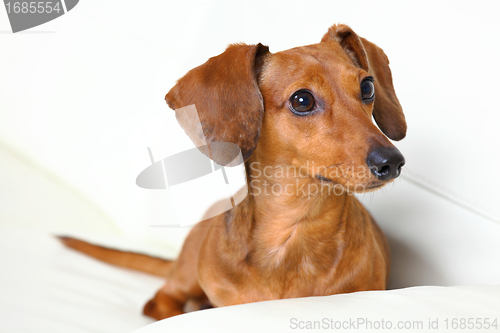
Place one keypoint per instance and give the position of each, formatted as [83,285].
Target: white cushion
[47,288]
[419,309]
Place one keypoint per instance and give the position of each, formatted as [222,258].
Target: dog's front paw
[163,306]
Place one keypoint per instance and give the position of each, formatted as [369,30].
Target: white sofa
[82,97]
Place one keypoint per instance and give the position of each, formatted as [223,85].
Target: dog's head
[310,107]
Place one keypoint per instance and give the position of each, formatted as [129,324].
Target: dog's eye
[302,101]
[367,90]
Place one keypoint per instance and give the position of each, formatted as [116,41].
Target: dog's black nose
[385,163]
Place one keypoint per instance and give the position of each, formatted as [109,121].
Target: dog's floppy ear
[227,96]
[387,111]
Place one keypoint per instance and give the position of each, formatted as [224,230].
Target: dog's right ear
[387,111]
[226,94]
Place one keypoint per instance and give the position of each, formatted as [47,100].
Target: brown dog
[302,119]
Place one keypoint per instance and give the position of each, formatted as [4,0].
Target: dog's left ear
[226,94]
[387,111]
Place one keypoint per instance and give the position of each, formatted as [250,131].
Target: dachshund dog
[303,120]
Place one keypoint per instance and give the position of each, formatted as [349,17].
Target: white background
[81,97]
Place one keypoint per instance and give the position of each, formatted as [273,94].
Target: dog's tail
[135,261]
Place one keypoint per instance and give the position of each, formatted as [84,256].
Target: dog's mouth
[353,187]
[375,186]
[324,179]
